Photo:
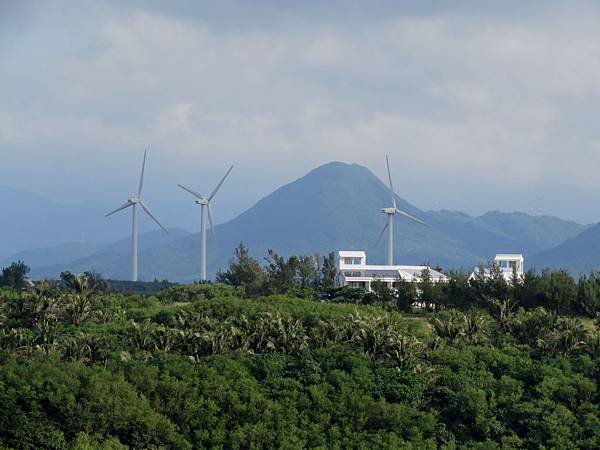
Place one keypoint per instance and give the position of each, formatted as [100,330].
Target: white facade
[355,272]
[508,263]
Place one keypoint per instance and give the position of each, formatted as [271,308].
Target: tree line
[304,276]
[313,277]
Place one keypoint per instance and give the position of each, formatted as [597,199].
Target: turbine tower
[133,202]
[204,203]
[391,212]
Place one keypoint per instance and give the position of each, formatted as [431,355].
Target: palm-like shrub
[19,341]
[77,308]
[567,337]
[448,325]
[85,347]
[455,326]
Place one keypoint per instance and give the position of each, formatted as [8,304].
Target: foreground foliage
[203,367]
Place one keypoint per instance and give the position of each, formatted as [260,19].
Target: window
[358,284]
[352,261]
[504,264]
[352,274]
[512,265]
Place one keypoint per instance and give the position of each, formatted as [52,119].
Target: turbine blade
[210,221]
[142,175]
[412,217]
[219,185]
[382,231]
[126,205]
[194,193]
[147,211]
[387,160]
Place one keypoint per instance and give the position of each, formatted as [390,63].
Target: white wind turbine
[204,203]
[391,212]
[133,202]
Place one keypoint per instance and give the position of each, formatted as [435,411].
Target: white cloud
[458,99]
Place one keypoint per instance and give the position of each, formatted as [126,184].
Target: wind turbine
[391,212]
[133,202]
[204,203]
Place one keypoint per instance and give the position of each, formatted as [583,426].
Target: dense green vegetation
[205,366]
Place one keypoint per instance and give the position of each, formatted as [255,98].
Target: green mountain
[337,206]
[56,255]
[109,260]
[31,222]
[579,255]
[516,232]
[534,232]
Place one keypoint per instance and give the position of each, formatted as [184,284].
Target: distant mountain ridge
[104,258]
[580,255]
[516,231]
[32,222]
[337,206]
[55,255]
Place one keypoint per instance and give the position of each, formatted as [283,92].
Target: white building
[508,263]
[355,272]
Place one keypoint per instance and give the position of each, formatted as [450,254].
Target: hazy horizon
[185,213]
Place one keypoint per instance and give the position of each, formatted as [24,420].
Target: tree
[588,294]
[307,271]
[457,292]
[281,272]
[329,272]
[489,282]
[244,271]
[528,292]
[380,294]
[86,284]
[429,291]
[15,275]
[405,294]
[559,291]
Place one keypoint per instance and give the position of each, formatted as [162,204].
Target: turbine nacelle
[202,201]
[389,210]
[134,200]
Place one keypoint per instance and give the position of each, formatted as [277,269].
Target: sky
[480,105]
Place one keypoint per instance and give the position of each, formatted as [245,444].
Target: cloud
[501,107]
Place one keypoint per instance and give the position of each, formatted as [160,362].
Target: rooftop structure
[355,272]
[509,264]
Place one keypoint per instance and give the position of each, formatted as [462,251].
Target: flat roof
[390,273]
[394,271]
[351,253]
[509,256]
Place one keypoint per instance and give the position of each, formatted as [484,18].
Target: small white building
[355,272]
[508,263]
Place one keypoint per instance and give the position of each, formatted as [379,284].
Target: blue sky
[480,107]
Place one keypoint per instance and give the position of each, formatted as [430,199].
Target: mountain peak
[338,169]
